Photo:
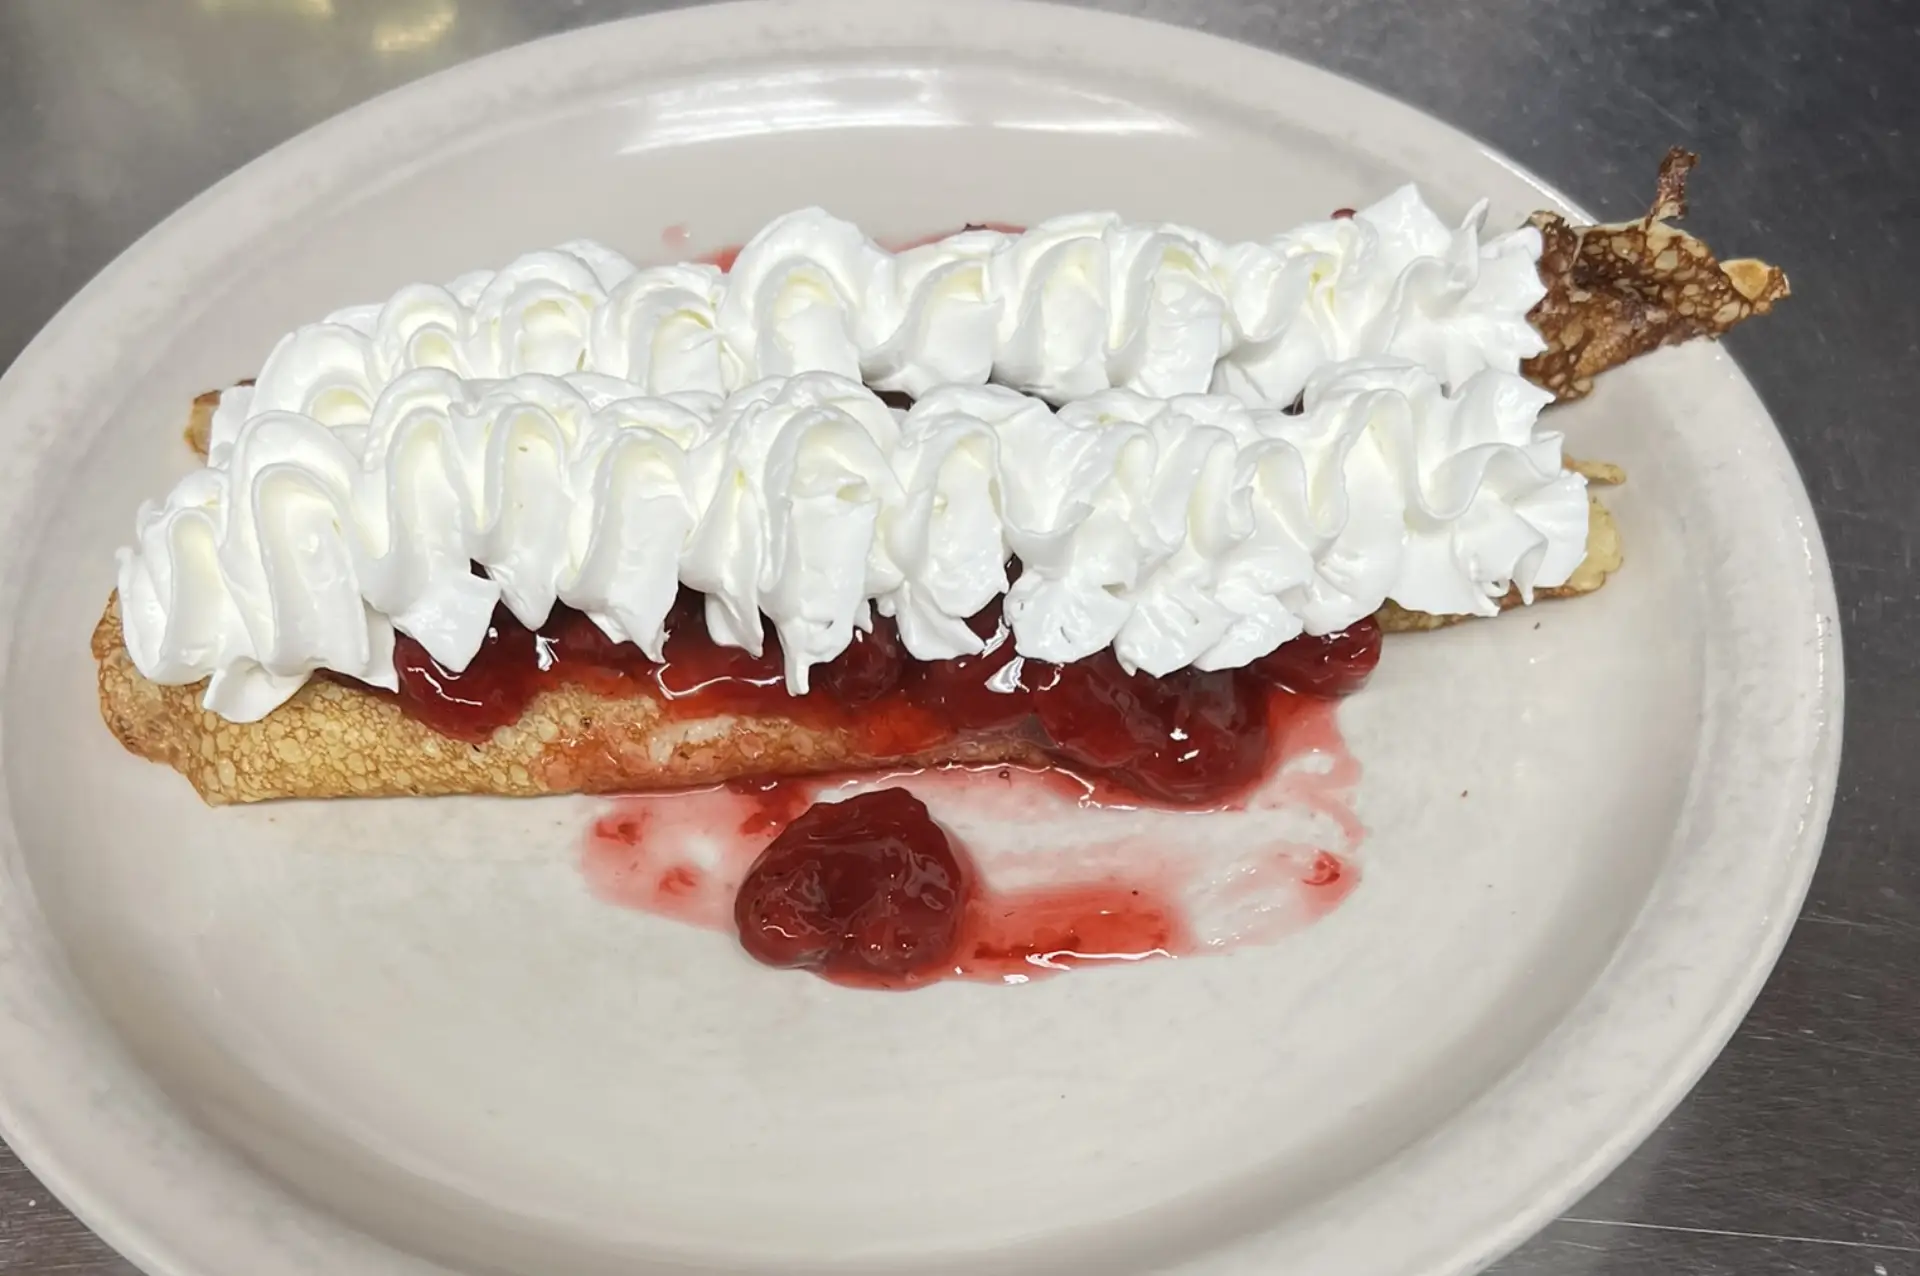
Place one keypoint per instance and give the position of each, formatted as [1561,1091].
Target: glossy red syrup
[1329,879]
[770,804]
[723,858]
[683,855]
[491,692]
[696,678]
[1021,936]
[1188,739]
[1336,664]
[870,891]
[984,692]
[625,865]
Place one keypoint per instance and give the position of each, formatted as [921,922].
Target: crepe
[1617,291]
[1613,292]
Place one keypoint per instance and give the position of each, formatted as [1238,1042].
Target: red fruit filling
[861,891]
[1336,664]
[1188,739]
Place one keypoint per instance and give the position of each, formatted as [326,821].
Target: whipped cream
[1073,306]
[1192,530]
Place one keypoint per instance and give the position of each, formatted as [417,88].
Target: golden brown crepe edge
[1616,291]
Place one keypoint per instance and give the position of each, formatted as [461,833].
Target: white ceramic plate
[404,1037]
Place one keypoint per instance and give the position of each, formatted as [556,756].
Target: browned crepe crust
[1613,292]
[1602,560]
[1617,291]
[199,431]
[336,739]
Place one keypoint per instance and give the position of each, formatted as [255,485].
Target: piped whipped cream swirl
[1195,530]
[1073,306]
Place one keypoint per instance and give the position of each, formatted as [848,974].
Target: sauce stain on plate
[1070,873]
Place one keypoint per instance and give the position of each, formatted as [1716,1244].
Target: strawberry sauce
[873,890]
[1187,740]
[809,881]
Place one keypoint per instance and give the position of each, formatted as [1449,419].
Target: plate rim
[184,245]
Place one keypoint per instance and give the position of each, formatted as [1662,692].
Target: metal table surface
[1800,1151]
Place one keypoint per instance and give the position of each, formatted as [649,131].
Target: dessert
[577,527]
[1067,308]
[1619,290]
[1072,306]
[674,558]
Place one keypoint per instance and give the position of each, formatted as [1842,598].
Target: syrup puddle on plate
[1067,880]
[1070,873]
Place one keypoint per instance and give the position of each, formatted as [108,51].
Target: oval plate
[403,1037]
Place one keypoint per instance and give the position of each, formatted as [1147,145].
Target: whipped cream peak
[1194,529]
[790,527]
[1392,280]
[1073,306]
[796,293]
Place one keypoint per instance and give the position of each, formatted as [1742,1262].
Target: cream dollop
[1070,307]
[1195,530]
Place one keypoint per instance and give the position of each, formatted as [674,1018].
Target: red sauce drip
[696,678]
[975,693]
[683,855]
[688,856]
[772,804]
[490,693]
[1336,664]
[1025,935]
[871,892]
[1328,880]
[1343,214]
[1188,739]
[625,868]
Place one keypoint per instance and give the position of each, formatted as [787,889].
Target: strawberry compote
[873,893]
[862,890]
[1189,739]
[870,890]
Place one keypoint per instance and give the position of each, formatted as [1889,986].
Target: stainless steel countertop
[1800,1151]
